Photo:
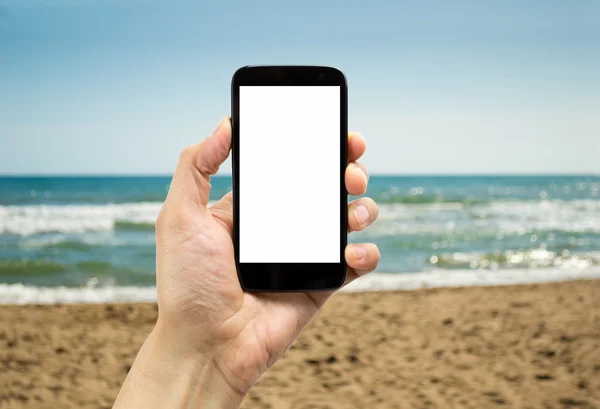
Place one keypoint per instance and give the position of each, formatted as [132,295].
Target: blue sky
[113,87]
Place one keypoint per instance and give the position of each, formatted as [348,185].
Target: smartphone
[289,148]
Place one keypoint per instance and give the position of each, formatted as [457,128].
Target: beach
[520,346]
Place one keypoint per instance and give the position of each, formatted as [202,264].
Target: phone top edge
[291,67]
[292,74]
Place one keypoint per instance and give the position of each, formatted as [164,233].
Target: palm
[273,321]
[255,328]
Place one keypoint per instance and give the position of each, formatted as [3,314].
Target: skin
[212,341]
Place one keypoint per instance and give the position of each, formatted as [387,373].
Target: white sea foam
[469,278]
[65,219]
[21,294]
[576,216]
[507,217]
[28,220]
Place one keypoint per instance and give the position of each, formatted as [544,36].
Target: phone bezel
[290,277]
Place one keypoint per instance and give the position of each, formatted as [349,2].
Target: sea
[92,239]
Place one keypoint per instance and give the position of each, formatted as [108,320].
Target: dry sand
[535,346]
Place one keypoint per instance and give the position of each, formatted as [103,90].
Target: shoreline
[19,294]
[529,346]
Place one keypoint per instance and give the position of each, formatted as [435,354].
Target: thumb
[191,181]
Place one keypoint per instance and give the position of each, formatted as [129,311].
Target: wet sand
[530,346]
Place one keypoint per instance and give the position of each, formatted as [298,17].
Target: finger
[356,146]
[357,178]
[362,213]
[191,180]
[361,259]
[223,211]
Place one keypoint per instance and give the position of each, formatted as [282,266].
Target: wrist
[174,375]
[196,369]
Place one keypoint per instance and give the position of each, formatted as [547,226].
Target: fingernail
[362,214]
[359,252]
[362,171]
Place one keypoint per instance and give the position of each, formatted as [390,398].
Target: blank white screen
[289,174]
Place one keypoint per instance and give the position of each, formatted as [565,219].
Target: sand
[531,346]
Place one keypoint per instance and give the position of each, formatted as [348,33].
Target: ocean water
[92,238]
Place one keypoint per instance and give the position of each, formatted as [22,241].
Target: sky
[448,87]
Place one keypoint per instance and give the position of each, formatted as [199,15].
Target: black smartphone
[290,142]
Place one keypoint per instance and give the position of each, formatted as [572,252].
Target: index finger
[356,146]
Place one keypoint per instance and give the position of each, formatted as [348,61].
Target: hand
[202,308]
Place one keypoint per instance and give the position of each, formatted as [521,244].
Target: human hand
[204,316]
